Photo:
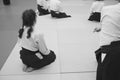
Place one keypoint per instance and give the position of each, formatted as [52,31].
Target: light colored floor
[72,39]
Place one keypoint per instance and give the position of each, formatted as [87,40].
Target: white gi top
[96,6]
[55,5]
[36,42]
[43,3]
[110,21]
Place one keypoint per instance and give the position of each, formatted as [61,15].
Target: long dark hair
[28,19]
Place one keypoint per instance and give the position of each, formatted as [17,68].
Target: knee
[53,56]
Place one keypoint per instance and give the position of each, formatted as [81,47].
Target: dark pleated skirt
[96,16]
[109,69]
[59,15]
[31,60]
[42,11]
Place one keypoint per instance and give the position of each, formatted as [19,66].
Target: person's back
[28,43]
[110,30]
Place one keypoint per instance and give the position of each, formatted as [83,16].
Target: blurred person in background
[108,55]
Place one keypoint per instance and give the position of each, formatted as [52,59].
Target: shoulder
[97,3]
[94,3]
[100,3]
[38,36]
[110,7]
[108,10]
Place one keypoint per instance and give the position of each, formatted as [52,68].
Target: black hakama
[56,14]
[109,69]
[42,11]
[31,60]
[96,16]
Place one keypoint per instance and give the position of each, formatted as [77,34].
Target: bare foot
[24,68]
[29,69]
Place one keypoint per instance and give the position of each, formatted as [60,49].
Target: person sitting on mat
[56,9]
[42,7]
[95,10]
[34,53]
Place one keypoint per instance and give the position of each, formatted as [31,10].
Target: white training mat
[32,77]
[77,44]
[79,76]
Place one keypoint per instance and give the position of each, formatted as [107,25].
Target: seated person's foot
[29,69]
[24,67]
